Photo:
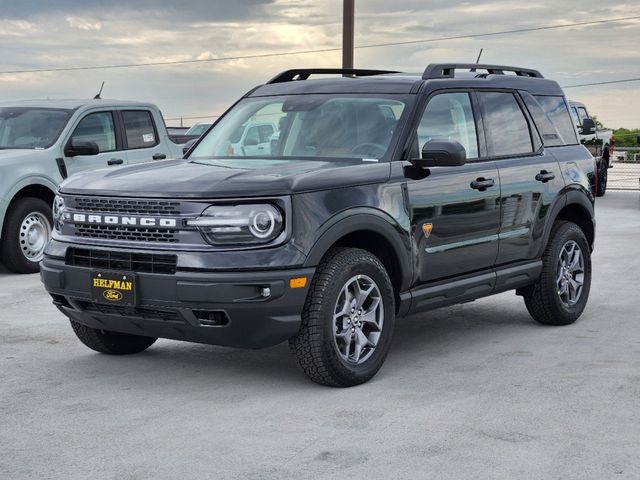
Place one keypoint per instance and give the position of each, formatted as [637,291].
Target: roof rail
[447,70]
[304,73]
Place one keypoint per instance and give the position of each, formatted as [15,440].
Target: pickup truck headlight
[250,224]
[58,213]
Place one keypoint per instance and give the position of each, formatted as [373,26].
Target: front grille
[127,206]
[124,261]
[135,234]
[144,313]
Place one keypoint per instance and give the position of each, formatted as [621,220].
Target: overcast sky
[66,33]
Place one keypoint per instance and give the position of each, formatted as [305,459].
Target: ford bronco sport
[383,195]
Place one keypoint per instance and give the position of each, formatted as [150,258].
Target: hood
[225,178]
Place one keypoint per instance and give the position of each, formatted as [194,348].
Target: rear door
[141,139]
[454,210]
[100,127]
[530,177]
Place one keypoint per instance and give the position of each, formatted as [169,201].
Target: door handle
[159,156]
[545,176]
[482,183]
[115,161]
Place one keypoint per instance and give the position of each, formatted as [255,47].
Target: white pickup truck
[599,142]
[43,142]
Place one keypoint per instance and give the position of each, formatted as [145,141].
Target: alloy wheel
[358,319]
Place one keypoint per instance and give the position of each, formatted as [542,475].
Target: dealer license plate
[113,288]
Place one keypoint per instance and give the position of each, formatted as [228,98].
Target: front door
[455,212]
[98,127]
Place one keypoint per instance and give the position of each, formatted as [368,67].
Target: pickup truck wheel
[112,343]
[603,176]
[26,231]
[347,320]
[560,294]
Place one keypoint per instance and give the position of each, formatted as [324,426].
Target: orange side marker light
[298,282]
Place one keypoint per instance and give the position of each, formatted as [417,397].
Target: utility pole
[348,14]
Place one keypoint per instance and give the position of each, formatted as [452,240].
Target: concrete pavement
[472,391]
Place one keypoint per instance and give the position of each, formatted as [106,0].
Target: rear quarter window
[557,111]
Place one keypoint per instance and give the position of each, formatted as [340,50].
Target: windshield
[310,126]
[198,129]
[26,127]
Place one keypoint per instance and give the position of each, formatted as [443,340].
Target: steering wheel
[373,150]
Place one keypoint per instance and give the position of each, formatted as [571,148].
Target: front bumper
[218,308]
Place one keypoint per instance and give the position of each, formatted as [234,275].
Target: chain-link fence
[625,174]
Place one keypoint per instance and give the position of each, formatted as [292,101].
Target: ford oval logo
[112,295]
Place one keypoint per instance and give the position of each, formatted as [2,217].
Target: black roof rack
[304,73]
[447,70]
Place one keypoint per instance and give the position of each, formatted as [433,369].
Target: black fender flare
[364,219]
[570,197]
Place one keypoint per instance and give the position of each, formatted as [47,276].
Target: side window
[99,128]
[265,133]
[576,118]
[557,111]
[449,116]
[506,127]
[252,135]
[582,113]
[139,129]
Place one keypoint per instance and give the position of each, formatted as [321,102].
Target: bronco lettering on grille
[125,220]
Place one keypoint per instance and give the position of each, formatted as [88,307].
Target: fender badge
[426,229]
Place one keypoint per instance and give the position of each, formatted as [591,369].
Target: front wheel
[561,292]
[347,320]
[25,234]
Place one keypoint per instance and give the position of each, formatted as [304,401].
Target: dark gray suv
[380,195]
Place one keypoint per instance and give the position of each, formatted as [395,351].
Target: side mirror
[588,126]
[250,142]
[441,153]
[187,146]
[81,147]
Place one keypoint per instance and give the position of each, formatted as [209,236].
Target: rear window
[557,111]
[139,129]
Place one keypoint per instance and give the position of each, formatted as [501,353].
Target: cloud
[65,33]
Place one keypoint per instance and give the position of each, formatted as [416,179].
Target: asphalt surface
[473,391]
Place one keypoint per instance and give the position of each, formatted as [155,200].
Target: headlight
[58,212]
[250,224]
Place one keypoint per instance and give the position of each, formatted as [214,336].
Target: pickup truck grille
[127,206]
[124,261]
[136,234]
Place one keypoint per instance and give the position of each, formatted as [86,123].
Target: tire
[603,176]
[25,233]
[326,346]
[111,343]
[547,300]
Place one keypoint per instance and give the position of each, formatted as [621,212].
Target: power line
[323,50]
[607,82]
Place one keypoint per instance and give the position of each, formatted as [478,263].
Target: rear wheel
[25,234]
[112,343]
[560,295]
[347,320]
